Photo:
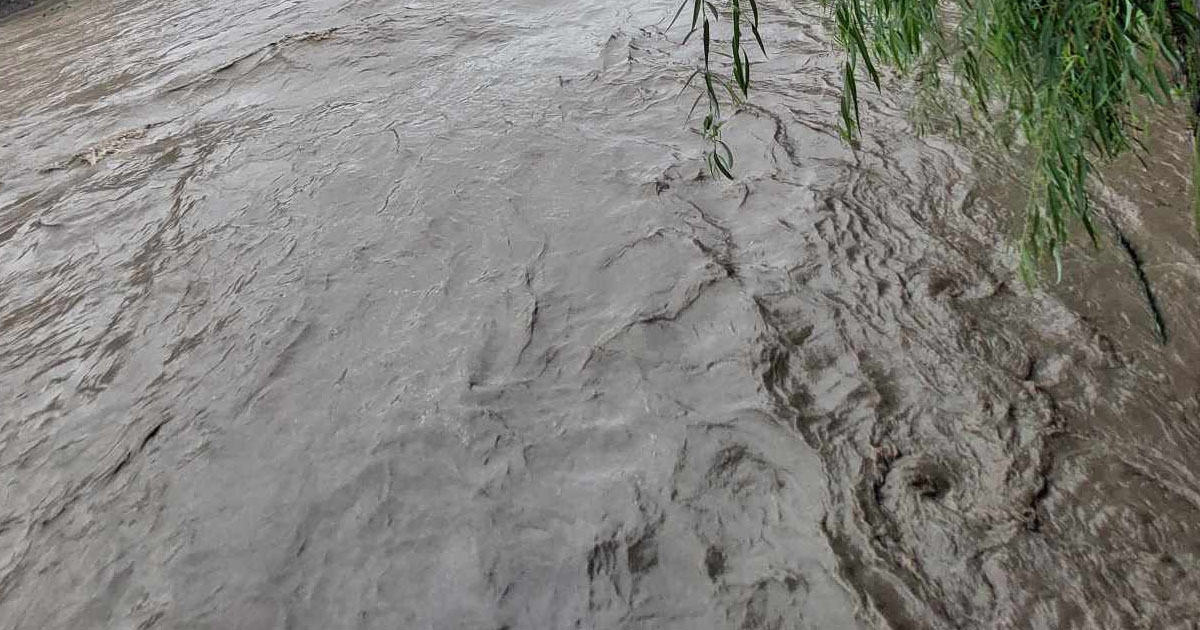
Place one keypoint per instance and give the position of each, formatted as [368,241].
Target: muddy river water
[423,315]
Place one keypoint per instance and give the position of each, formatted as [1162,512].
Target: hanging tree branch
[1068,76]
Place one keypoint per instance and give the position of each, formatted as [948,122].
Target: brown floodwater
[409,314]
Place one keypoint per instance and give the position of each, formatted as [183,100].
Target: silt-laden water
[423,315]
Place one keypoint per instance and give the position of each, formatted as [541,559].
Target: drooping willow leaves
[1069,78]
[704,13]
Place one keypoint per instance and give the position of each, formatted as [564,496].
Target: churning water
[423,315]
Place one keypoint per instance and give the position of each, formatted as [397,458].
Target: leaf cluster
[1069,80]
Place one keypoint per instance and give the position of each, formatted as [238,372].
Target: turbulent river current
[375,314]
